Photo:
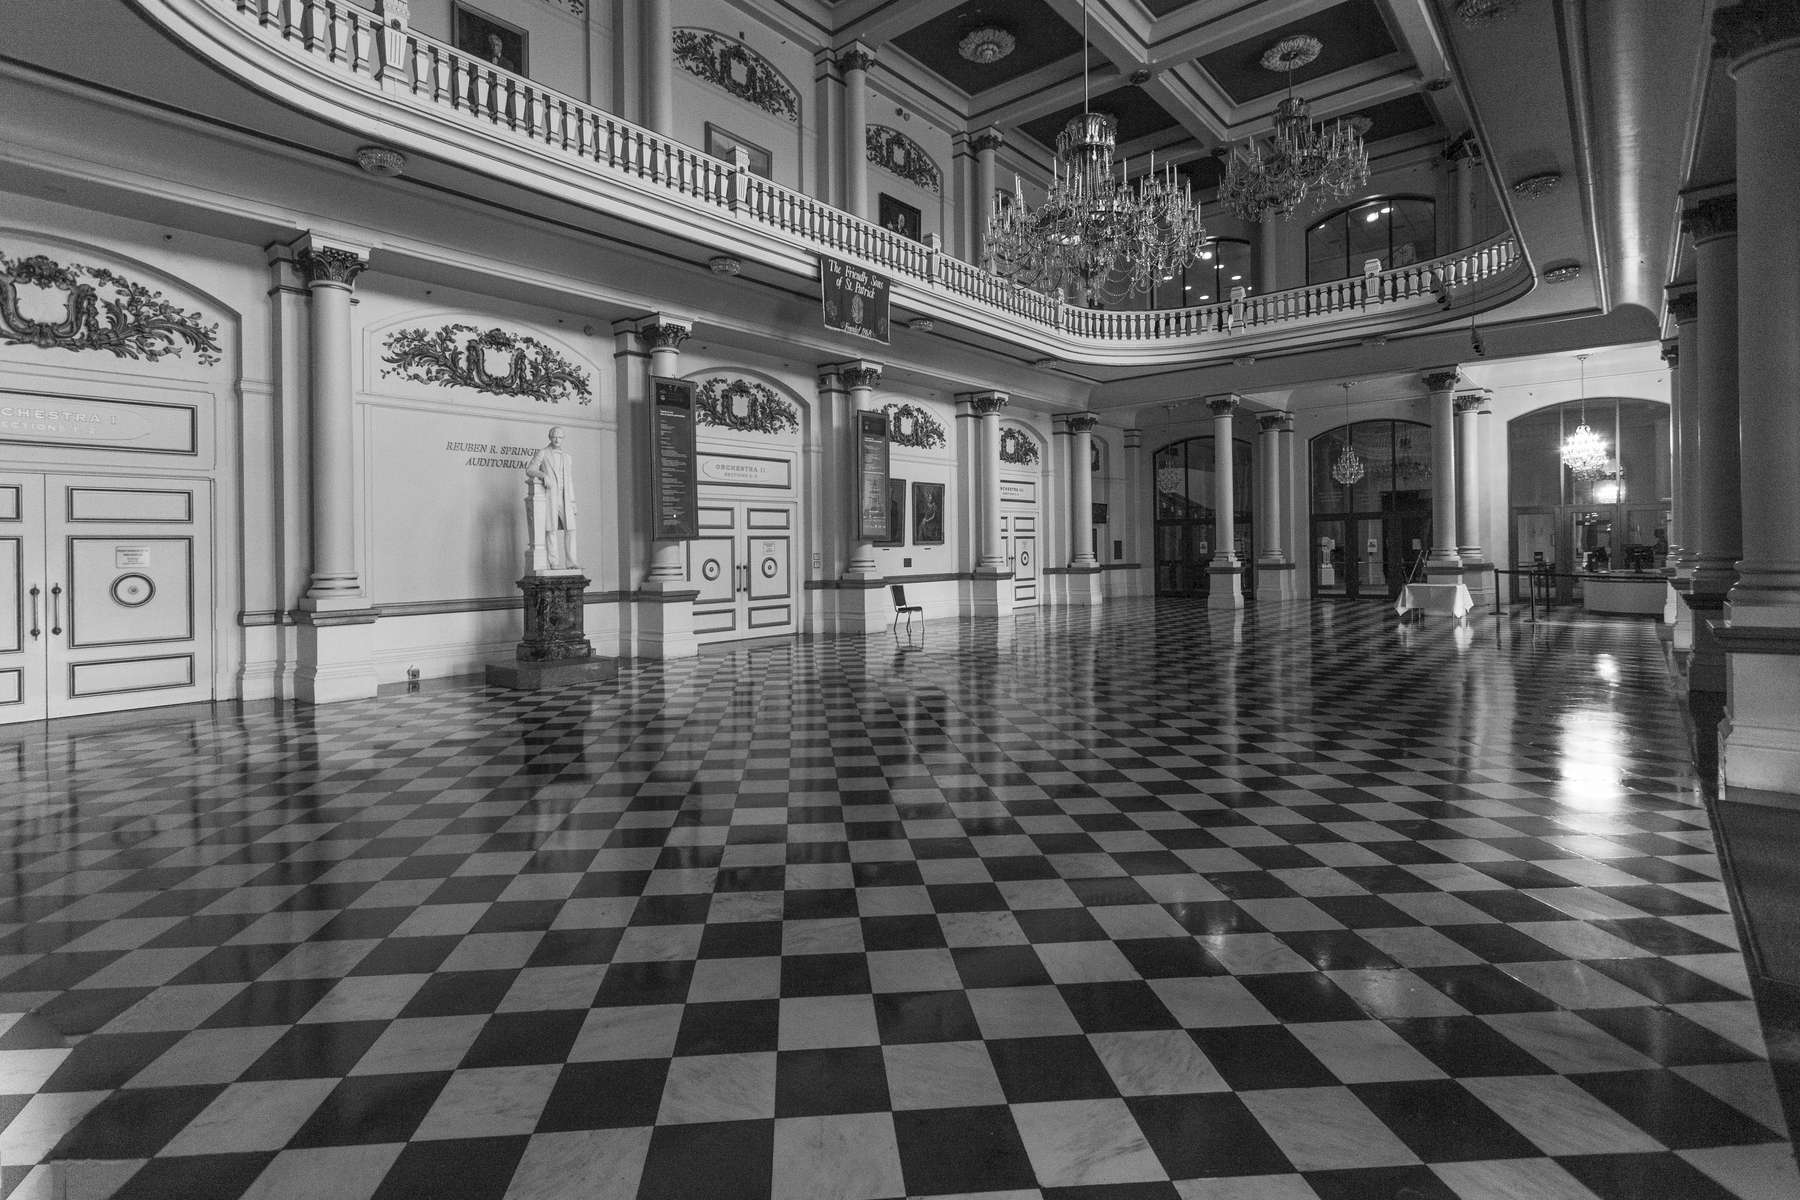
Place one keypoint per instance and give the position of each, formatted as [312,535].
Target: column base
[1682,641]
[991,594]
[864,605]
[1081,585]
[1478,577]
[1226,589]
[1759,739]
[665,620]
[1277,581]
[336,653]
[1706,665]
[1444,570]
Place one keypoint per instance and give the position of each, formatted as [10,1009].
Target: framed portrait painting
[928,514]
[900,217]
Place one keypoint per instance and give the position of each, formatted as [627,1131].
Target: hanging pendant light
[1585,452]
[1301,159]
[1098,238]
[1348,468]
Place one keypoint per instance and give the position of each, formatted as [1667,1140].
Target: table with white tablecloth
[1451,599]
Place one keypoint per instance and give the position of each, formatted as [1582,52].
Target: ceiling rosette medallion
[893,151]
[744,406]
[1019,448]
[77,307]
[494,361]
[911,426]
[729,64]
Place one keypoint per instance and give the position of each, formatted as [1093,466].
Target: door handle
[35,631]
[56,610]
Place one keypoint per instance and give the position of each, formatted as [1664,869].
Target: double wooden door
[105,594]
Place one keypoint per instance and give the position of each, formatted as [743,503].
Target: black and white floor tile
[1141,903]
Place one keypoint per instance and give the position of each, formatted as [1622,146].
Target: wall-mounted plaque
[871,476]
[673,477]
[855,299]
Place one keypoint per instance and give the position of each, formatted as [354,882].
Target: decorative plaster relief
[745,406]
[464,356]
[893,151]
[1018,447]
[99,310]
[910,425]
[728,63]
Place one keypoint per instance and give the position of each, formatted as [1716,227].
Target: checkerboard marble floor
[1135,903]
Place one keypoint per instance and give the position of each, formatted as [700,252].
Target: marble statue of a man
[550,500]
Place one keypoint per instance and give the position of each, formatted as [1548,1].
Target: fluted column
[331,272]
[1470,408]
[1269,520]
[662,336]
[986,144]
[987,407]
[1684,306]
[855,61]
[659,63]
[1767,591]
[859,378]
[1227,586]
[1443,558]
[1719,538]
[1759,739]
[1081,490]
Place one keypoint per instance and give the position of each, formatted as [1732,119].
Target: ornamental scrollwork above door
[493,361]
[728,63]
[744,406]
[99,310]
[1018,447]
[909,425]
[893,151]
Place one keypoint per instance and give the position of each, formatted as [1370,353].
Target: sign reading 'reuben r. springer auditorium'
[855,299]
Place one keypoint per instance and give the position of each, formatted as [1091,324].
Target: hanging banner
[674,480]
[855,299]
[872,511]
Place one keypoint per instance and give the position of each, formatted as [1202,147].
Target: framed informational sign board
[855,299]
[872,509]
[674,481]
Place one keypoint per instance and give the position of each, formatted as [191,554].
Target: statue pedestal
[555,650]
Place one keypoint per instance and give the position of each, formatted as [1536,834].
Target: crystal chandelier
[1096,239]
[1584,452]
[1348,468]
[1300,159]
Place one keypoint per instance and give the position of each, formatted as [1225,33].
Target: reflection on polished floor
[1142,903]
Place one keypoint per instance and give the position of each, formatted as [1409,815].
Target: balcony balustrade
[429,81]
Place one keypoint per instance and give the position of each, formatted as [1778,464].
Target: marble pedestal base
[555,649]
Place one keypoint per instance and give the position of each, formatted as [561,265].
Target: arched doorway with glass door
[1368,537]
[1186,531]
[1615,520]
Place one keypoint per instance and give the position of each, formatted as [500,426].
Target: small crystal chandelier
[1348,468]
[1096,239]
[1584,451]
[1301,159]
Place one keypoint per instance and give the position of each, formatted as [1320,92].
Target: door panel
[1019,533]
[122,613]
[744,568]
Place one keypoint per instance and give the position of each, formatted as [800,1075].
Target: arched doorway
[1615,521]
[1186,528]
[1368,537]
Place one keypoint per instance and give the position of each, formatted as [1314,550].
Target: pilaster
[664,599]
[1443,564]
[992,577]
[1227,572]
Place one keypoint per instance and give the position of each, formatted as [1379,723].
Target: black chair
[901,606]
